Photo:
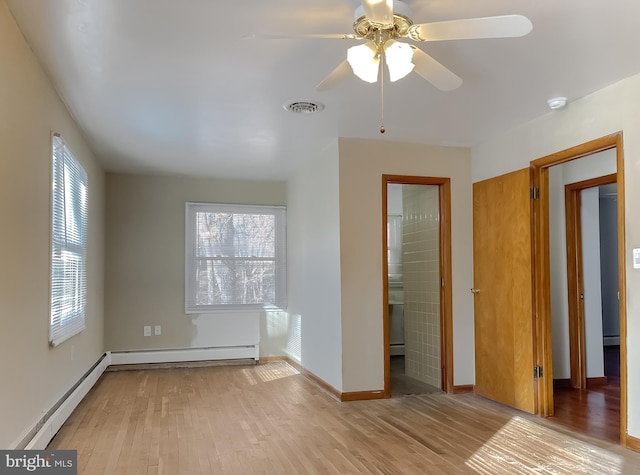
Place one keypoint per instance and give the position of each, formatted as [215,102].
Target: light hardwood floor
[270,419]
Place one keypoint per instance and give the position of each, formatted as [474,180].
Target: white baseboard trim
[53,423]
[184,355]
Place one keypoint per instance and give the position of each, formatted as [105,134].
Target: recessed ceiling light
[557,103]
[304,107]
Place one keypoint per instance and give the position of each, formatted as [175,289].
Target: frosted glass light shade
[398,58]
[365,61]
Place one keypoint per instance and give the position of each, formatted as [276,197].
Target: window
[235,257]
[69,209]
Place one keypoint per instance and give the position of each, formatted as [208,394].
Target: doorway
[591,245]
[586,398]
[545,352]
[417,282]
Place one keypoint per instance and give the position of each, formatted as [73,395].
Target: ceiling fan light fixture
[364,60]
[398,57]
[379,11]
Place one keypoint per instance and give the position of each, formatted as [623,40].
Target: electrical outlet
[158,330]
[147,330]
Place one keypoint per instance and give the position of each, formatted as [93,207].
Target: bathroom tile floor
[402,385]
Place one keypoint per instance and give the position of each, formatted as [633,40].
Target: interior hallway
[596,411]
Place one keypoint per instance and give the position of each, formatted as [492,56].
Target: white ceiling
[174,86]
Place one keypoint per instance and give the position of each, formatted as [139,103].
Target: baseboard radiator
[50,424]
[185,355]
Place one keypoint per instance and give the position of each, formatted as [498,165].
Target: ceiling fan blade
[434,72]
[329,36]
[379,11]
[505,26]
[335,77]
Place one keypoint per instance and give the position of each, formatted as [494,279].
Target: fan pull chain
[382,62]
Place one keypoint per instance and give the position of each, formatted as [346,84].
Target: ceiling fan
[383,22]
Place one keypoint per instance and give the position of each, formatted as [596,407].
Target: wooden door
[502,269]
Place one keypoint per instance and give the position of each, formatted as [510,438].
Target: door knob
[475,291]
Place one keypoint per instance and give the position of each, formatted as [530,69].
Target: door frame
[575,278]
[446,319]
[541,276]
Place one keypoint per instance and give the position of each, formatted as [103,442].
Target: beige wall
[362,164]
[145,251]
[34,376]
[609,110]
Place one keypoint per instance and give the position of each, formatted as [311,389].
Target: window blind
[69,210]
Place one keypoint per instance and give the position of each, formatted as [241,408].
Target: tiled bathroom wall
[421,256]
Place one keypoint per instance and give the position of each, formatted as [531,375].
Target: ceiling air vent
[304,107]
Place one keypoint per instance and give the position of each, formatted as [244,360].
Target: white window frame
[191,259]
[69,218]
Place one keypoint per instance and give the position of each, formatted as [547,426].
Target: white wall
[314,265]
[394,199]
[590,214]
[592,166]
[362,164]
[33,375]
[604,112]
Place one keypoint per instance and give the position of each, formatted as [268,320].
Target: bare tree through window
[236,258]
